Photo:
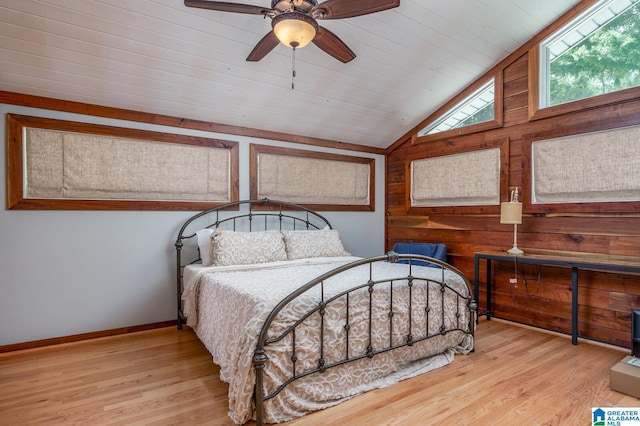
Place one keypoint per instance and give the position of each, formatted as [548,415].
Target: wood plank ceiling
[161,57]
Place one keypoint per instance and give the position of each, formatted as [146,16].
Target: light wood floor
[517,376]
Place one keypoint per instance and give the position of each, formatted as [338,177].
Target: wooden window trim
[15,172]
[497,122]
[450,149]
[256,149]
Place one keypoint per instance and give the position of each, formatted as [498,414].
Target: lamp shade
[294,29]
[511,213]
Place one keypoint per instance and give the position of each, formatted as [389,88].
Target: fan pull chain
[293,67]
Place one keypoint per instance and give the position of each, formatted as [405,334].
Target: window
[596,54]
[435,183]
[55,164]
[561,174]
[477,108]
[319,181]
[461,178]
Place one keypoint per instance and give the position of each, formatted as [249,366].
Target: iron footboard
[435,324]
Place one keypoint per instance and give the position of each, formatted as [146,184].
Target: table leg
[574,305]
[488,289]
[476,282]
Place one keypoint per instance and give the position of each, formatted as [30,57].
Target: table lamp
[511,214]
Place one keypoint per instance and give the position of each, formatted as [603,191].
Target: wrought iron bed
[265,214]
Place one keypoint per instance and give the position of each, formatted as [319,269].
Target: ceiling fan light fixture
[294,29]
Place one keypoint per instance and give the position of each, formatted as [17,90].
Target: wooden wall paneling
[515,88]
[625,245]
[516,70]
[612,226]
[516,102]
[516,116]
[620,301]
[552,316]
[605,299]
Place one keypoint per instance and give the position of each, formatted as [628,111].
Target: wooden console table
[573,261]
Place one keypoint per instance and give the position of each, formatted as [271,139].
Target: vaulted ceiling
[159,56]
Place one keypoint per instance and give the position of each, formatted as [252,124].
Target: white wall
[71,272]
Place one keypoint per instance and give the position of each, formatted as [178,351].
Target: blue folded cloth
[437,251]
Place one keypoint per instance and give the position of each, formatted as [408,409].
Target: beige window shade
[464,179]
[67,165]
[593,167]
[311,180]
[321,180]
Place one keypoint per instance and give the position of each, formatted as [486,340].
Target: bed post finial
[392,256]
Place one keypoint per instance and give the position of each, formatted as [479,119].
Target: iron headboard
[263,214]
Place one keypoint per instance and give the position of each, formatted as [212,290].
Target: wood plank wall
[542,296]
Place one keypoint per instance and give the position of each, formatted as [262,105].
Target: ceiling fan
[294,22]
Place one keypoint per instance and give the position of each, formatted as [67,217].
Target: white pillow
[304,244]
[246,248]
[204,244]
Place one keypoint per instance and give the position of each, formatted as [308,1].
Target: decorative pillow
[303,244]
[246,248]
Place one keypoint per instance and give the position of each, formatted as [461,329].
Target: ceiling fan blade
[224,6]
[338,9]
[264,46]
[330,43]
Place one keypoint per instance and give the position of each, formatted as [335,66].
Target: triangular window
[476,108]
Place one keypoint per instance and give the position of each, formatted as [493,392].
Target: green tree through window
[606,61]
[486,113]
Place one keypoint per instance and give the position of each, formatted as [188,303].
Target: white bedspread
[229,304]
